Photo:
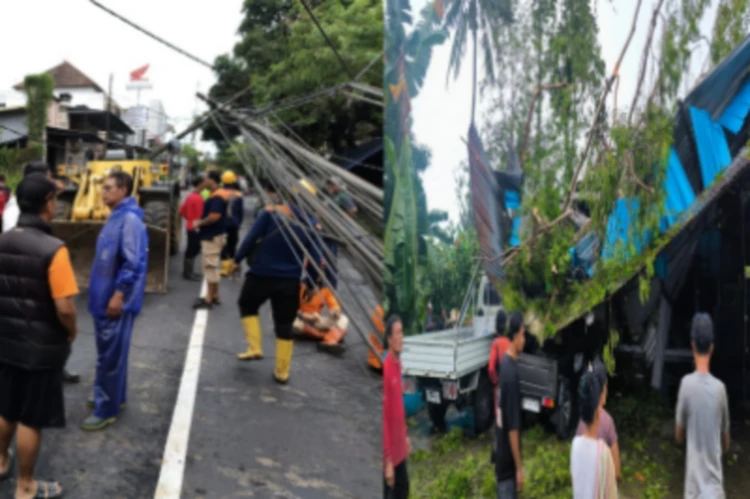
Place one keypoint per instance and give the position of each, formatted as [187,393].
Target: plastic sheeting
[619,231]
[734,115]
[713,151]
[679,193]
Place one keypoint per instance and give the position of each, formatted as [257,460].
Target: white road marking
[175,452]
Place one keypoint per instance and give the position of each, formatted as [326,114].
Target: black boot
[187,271]
[69,377]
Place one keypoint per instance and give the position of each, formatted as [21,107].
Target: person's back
[587,454]
[702,411]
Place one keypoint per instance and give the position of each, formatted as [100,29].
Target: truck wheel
[437,415]
[566,413]
[156,213]
[482,404]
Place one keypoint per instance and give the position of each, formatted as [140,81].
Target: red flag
[137,75]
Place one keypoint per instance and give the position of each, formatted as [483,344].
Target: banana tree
[408,54]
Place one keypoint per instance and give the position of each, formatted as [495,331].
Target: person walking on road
[213,235]
[591,465]
[702,417]
[118,282]
[12,214]
[607,430]
[4,198]
[191,210]
[275,273]
[508,464]
[37,326]
[236,212]
[396,444]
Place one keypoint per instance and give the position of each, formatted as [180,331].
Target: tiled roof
[68,76]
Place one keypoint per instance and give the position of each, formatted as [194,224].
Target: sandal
[48,490]
[6,474]
[201,303]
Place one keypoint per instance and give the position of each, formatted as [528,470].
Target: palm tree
[463,17]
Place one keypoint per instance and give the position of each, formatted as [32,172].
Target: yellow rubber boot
[253,335]
[283,360]
[226,267]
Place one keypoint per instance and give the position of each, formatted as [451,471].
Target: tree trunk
[474,76]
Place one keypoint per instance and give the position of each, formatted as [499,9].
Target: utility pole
[195,111]
[109,111]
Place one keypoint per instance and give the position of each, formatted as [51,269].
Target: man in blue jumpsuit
[275,273]
[118,281]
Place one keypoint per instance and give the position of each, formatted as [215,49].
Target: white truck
[450,367]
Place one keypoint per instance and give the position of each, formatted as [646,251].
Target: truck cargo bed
[447,354]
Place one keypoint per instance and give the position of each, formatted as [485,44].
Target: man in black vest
[37,326]
[40,167]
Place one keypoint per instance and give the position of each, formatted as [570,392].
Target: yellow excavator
[81,214]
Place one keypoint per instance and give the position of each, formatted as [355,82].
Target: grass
[459,467]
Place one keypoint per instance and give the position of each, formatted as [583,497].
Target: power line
[348,71]
[158,39]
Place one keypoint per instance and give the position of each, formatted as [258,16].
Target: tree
[233,157]
[577,139]
[39,90]
[408,52]
[283,57]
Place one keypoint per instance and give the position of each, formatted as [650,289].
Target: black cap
[215,176]
[36,166]
[34,191]
[515,324]
[501,322]
[702,332]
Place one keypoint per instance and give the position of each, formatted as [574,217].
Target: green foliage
[230,158]
[39,90]
[627,161]
[11,166]
[408,50]
[449,269]
[283,56]
[194,157]
[730,28]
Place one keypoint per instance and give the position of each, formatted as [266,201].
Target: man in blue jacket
[275,273]
[118,281]
[236,212]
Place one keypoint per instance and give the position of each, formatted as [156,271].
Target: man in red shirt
[396,445]
[497,352]
[192,210]
[4,197]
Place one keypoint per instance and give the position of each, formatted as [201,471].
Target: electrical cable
[311,261]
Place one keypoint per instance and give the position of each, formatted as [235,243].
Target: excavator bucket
[80,238]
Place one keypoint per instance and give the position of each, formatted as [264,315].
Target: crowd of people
[701,419]
[39,320]
[38,290]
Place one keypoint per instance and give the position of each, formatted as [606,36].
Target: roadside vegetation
[458,466]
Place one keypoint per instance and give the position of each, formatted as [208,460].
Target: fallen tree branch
[530,115]
[644,59]
[510,253]
[597,113]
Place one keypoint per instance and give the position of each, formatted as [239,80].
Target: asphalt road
[317,437]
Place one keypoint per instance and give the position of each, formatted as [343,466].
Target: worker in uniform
[236,210]
[275,273]
[118,282]
[213,235]
[312,324]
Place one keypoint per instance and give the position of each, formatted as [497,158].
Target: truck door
[487,305]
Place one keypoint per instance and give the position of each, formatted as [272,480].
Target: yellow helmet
[307,185]
[228,177]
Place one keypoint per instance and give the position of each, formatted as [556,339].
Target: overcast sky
[37,35]
[442,115]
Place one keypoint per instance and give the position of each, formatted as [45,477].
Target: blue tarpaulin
[734,115]
[713,151]
[619,233]
[679,193]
